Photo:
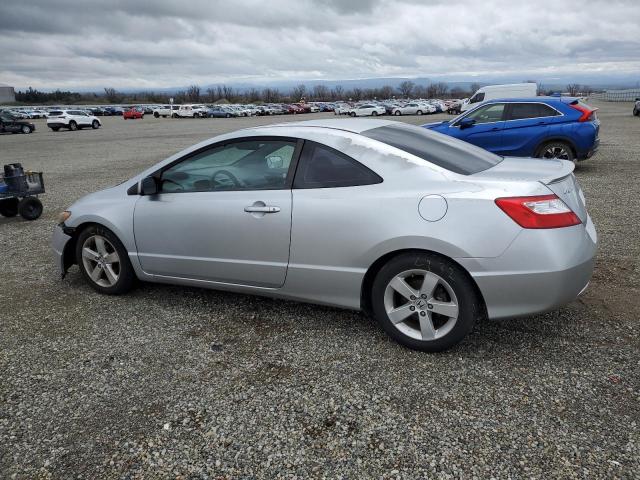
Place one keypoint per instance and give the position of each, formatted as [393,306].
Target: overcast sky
[165,43]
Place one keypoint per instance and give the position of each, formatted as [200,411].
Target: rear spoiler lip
[514,169]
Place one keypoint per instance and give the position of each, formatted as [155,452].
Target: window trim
[509,106]
[338,153]
[288,180]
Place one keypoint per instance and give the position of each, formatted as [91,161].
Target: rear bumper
[590,153]
[56,124]
[540,271]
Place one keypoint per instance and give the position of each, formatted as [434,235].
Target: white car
[367,110]
[164,111]
[71,119]
[414,108]
[342,109]
[190,111]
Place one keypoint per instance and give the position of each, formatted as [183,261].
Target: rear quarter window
[439,149]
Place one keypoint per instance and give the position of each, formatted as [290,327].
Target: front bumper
[540,271]
[59,242]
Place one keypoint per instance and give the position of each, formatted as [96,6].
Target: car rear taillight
[588,114]
[541,211]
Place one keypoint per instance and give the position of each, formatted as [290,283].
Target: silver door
[234,232]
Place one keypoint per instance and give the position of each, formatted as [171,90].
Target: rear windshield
[441,150]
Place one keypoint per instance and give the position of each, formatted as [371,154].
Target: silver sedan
[425,233]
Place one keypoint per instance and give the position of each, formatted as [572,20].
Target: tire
[450,291]
[113,275]
[353,114]
[175,115]
[73,125]
[397,112]
[9,207]
[142,117]
[374,114]
[30,208]
[419,112]
[636,112]
[228,115]
[156,114]
[55,129]
[95,124]
[26,129]
[556,149]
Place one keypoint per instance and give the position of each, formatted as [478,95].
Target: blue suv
[546,127]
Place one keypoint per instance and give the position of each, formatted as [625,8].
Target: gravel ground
[172,382]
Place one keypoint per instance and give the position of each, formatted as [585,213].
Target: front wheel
[103,261]
[636,112]
[73,125]
[353,114]
[156,114]
[30,208]
[95,124]
[26,129]
[425,302]
[397,113]
[557,150]
[419,112]
[374,113]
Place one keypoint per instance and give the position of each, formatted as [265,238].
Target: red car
[294,108]
[135,112]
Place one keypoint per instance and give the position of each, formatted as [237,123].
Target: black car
[10,123]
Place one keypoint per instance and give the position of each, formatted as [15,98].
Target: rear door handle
[261,209]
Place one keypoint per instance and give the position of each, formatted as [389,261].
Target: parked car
[190,111]
[636,107]
[71,119]
[164,111]
[133,113]
[11,123]
[113,111]
[367,110]
[341,109]
[413,108]
[546,127]
[97,111]
[286,211]
[220,112]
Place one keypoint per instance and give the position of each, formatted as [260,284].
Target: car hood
[437,126]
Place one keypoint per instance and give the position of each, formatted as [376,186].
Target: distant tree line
[227,94]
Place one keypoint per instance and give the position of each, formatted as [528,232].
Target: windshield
[441,150]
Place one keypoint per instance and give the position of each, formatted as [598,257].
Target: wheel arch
[557,138]
[376,266]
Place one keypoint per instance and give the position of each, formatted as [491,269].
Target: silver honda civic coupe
[426,233]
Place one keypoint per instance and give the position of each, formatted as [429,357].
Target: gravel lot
[172,382]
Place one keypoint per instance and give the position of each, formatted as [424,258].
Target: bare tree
[298,92]
[337,93]
[193,93]
[474,88]
[441,89]
[320,92]
[386,92]
[111,95]
[406,88]
[573,89]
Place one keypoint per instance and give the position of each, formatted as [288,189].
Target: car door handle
[261,209]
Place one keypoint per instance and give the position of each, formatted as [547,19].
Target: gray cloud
[160,43]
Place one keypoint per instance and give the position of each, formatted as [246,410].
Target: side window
[478,97]
[520,111]
[245,165]
[324,167]
[488,113]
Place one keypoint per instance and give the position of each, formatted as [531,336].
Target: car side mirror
[149,186]
[467,122]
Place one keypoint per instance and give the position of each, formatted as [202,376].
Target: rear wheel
[103,261]
[425,302]
[558,150]
[30,208]
[397,112]
[9,207]
[374,113]
[73,125]
[156,114]
[95,124]
[353,114]
[55,129]
[636,112]
[419,112]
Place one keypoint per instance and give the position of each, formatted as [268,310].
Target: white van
[490,92]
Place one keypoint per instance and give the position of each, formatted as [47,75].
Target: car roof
[533,99]
[353,125]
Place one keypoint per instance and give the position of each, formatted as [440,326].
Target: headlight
[64,216]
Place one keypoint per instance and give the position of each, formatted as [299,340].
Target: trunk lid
[557,175]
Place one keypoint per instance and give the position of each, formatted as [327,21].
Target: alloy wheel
[101,260]
[556,151]
[421,304]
